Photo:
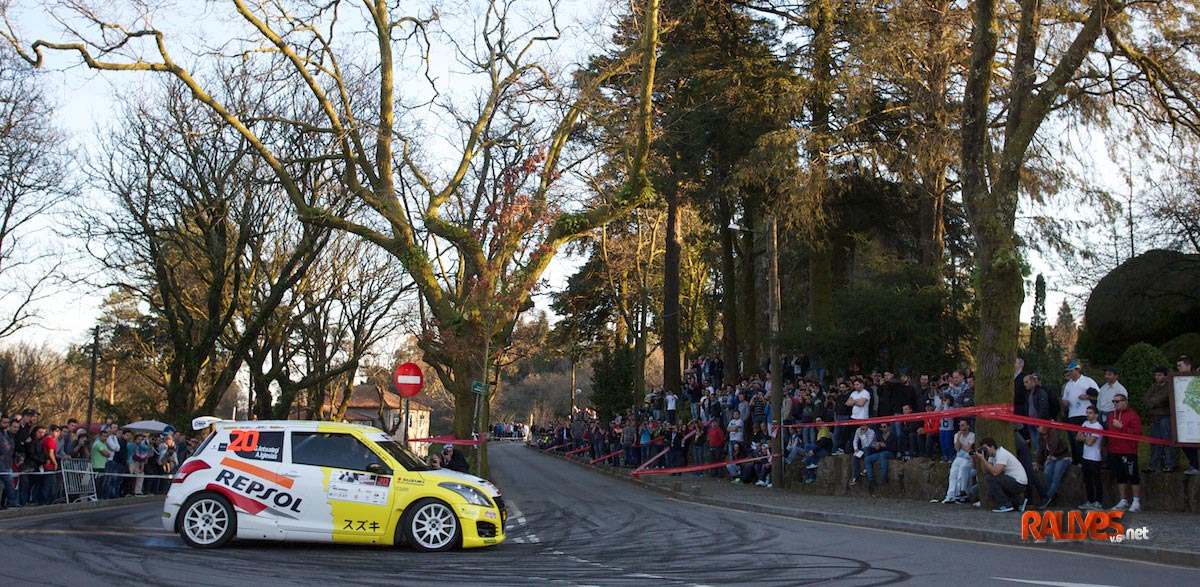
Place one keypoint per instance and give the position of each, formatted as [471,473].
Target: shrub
[1137,366]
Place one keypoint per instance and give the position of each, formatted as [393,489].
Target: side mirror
[378,469]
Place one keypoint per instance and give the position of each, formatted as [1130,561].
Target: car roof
[303,425]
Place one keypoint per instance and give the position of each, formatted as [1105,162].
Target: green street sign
[477,387]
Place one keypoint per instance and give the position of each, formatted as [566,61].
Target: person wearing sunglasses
[1122,454]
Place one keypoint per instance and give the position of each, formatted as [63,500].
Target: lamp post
[773,304]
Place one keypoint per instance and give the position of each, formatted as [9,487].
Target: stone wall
[923,479]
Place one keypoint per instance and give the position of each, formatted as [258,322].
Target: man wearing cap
[1158,408]
[454,460]
[1184,365]
[1078,393]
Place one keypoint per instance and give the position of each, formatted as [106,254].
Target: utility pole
[571,413]
[776,369]
[92,385]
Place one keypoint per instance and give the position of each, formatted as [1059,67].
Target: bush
[1137,366]
[1184,344]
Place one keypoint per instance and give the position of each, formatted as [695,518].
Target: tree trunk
[748,294]
[729,334]
[820,289]
[670,315]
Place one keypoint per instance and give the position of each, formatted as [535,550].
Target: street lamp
[773,327]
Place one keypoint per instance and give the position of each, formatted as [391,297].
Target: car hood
[439,475]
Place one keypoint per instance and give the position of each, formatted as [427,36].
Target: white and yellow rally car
[324,482]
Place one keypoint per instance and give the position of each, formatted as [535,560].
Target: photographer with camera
[1003,474]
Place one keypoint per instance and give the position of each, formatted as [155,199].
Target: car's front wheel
[206,520]
[431,526]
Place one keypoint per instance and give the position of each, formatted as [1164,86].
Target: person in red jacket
[716,440]
[1122,454]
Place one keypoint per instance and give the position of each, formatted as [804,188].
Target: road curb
[60,508]
[1126,550]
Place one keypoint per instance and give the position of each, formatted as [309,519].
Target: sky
[87,101]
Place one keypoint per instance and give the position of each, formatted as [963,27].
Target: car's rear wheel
[206,520]
[431,526]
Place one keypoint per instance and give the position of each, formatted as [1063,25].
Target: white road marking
[1051,583]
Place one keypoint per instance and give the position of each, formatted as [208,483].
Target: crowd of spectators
[716,423]
[123,462]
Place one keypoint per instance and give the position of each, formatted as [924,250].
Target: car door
[247,472]
[349,483]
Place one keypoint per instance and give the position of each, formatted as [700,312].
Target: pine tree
[1036,351]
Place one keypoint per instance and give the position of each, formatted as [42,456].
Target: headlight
[472,495]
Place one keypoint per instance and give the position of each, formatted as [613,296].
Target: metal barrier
[79,481]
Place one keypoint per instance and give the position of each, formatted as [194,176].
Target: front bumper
[481,526]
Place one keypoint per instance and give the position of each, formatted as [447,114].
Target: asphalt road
[568,526]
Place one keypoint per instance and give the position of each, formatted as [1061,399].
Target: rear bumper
[171,510]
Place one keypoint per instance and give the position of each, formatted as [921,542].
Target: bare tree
[475,239]
[34,178]
[186,209]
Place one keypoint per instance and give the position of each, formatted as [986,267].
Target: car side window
[340,451]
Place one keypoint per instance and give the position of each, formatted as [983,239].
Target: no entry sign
[409,379]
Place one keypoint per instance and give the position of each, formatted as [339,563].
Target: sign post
[409,380]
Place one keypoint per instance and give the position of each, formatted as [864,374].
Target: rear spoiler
[204,422]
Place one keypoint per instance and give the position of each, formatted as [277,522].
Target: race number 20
[243,440]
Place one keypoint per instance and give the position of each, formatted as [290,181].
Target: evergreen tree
[612,381]
[1035,353]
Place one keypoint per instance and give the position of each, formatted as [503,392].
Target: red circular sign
[408,379]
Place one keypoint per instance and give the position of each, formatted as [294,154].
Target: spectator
[167,456]
[929,431]
[1184,365]
[137,466]
[842,412]
[1091,460]
[82,447]
[1003,475]
[454,460]
[1122,454]
[1055,456]
[629,442]
[814,452]
[152,468]
[1025,457]
[8,452]
[716,439]
[910,444]
[887,445]
[100,455]
[737,433]
[1037,404]
[1079,392]
[946,429]
[961,469]
[1108,391]
[671,399]
[859,401]
[32,486]
[735,470]
[49,479]
[863,445]
[1158,408]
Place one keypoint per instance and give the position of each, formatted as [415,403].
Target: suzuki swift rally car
[325,482]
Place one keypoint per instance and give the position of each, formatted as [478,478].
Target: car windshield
[405,457]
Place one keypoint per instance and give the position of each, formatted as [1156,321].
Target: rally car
[324,482]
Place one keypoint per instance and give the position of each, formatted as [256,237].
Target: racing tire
[207,520]
[430,525]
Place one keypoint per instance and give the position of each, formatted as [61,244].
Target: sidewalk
[1173,537]
[59,508]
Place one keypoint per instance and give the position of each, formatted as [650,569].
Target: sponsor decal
[489,514]
[1077,525]
[255,445]
[360,525]
[250,494]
